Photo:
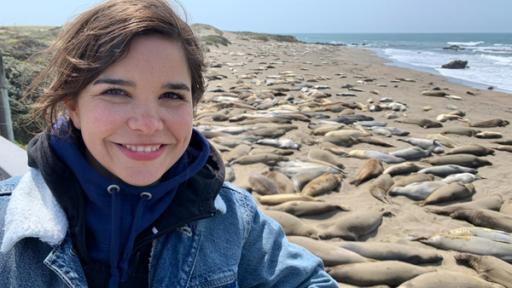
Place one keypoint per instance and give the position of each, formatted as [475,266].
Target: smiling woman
[122,191]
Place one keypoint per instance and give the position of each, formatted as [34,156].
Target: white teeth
[142,149]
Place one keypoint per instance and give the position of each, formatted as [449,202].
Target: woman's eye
[114,92]
[172,96]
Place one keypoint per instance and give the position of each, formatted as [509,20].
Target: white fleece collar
[32,211]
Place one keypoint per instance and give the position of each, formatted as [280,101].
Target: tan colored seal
[488,267]
[370,169]
[322,184]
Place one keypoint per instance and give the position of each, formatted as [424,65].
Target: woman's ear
[73,113]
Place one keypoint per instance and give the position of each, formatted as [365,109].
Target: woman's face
[136,117]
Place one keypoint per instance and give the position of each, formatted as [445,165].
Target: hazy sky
[295,16]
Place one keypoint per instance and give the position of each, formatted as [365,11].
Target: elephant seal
[237,152]
[393,251]
[466,160]
[445,141]
[302,172]
[488,267]
[417,191]
[277,199]
[283,183]
[411,153]
[447,279]
[465,178]
[307,208]
[462,131]
[284,143]
[427,144]
[485,218]
[292,225]
[367,154]
[423,122]
[330,254]
[374,141]
[505,148]
[470,244]
[401,181]
[351,226]
[489,135]
[402,168]
[345,138]
[379,188]
[450,192]
[473,149]
[268,159]
[446,170]
[490,123]
[392,273]
[325,156]
[262,184]
[504,142]
[322,184]
[371,168]
[492,202]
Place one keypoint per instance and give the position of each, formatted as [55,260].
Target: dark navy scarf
[117,212]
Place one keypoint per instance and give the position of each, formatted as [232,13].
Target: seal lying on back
[392,273]
[330,254]
[485,218]
[439,279]
[488,267]
[393,251]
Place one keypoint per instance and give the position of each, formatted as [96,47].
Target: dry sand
[247,63]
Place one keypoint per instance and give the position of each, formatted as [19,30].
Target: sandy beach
[294,78]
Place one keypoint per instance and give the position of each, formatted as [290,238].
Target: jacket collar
[43,218]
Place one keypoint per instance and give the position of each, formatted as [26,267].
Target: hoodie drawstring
[119,271]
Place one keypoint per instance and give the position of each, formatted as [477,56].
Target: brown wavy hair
[99,37]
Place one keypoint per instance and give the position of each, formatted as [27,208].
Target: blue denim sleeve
[269,260]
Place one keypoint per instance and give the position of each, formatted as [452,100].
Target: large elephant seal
[492,202]
[474,149]
[450,192]
[485,218]
[372,154]
[371,168]
[277,199]
[488,267]
[292,225]
[463,131]
[441,278]
[269,159]
[351,226]
[490,123]
[330,254]
[392,273]
[307,208]
[446,170]
[284,184]
[393,251]
[411,153]
[401,181]
[466,160]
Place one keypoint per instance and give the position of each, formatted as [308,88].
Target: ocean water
[489,55]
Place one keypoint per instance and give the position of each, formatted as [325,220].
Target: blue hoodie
[117,212]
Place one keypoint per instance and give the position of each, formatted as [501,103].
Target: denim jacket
[237,247]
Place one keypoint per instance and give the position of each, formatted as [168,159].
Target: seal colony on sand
[347,153]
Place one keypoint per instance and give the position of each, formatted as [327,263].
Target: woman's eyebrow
[176,86]
[114,81]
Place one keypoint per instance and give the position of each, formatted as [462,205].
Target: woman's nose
[145,120]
